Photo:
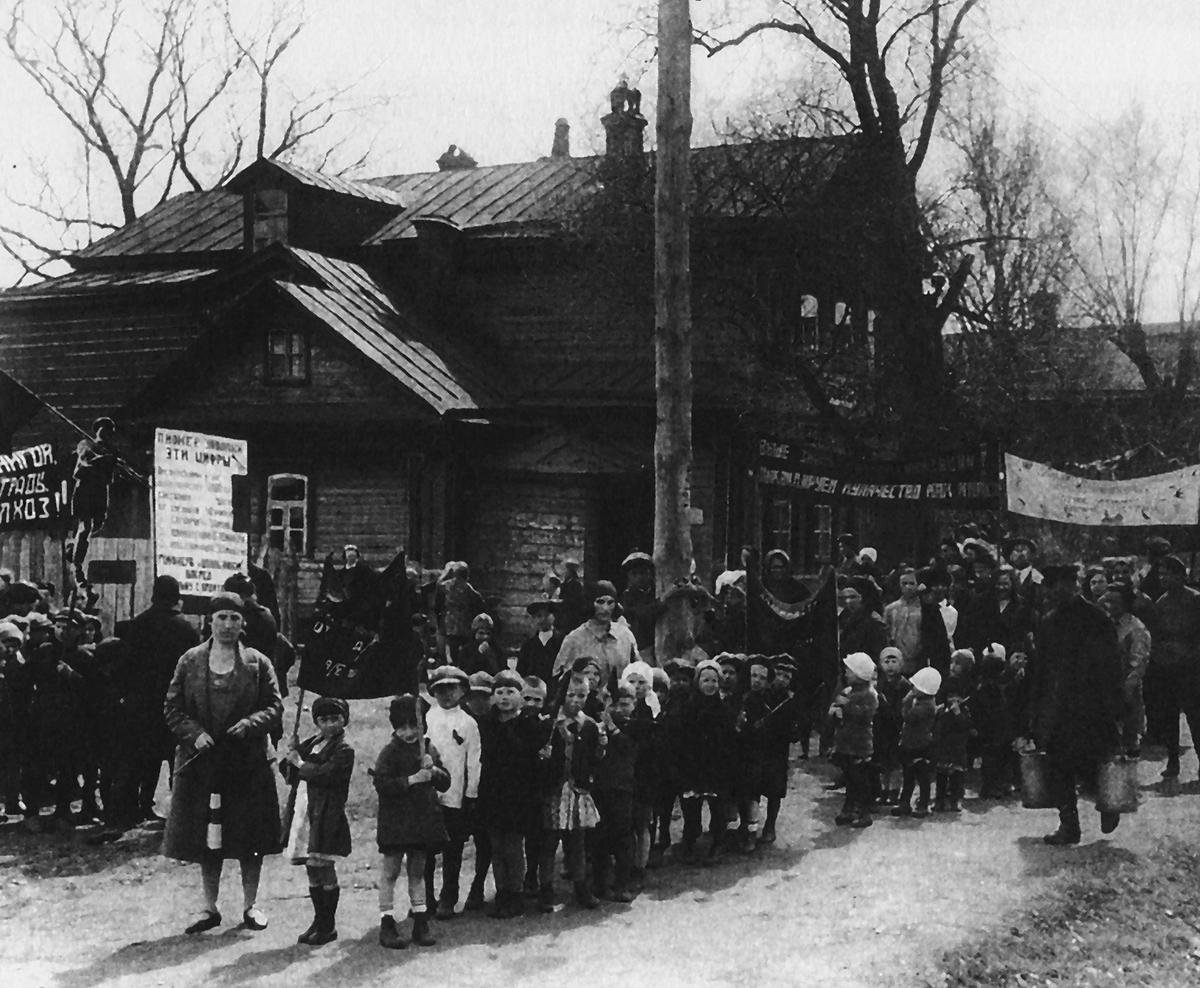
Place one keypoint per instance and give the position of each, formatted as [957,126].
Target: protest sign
[1040,491]
[194,537]
[32,490]
[353,664]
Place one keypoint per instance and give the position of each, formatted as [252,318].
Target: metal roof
[93,281]
[354,306]
[333,183]
[193,222]
[494,195]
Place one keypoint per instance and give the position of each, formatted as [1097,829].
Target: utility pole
[673,324]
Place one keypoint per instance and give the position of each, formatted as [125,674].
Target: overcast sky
[493,77]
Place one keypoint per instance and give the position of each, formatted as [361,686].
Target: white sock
[387,914]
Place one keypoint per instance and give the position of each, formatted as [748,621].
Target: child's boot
[475,901]
[420,929]
[922,807]
[846,815]
[584,896]
[314,893]
[862,819]
[389,934]
[956,792]
[327,932]
[903,807]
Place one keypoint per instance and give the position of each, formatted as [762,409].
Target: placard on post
[194,537]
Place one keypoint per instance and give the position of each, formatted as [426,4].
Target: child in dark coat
[752,748]
[952,733]
[892,688]
[319,770]
[704,758]
[508,786]
[918,712]
[576,744]
[615,782]
[853,711]
[993,720]
[781,727]
[408,776]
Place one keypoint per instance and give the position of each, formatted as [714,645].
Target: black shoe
[862,821]
[1109,822]
[584,896]
[903,809]
[1062,837]
[254,919]
[209,921]
[474,901]
[389,934]
[420,930]
[445,909]
[1172,769]
[545,899]
[768,835]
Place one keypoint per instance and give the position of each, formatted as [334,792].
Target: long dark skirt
[249,808]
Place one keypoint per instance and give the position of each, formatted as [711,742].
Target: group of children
[928,728]
[522,768]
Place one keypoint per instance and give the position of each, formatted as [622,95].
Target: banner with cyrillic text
[32,492]
[194,540]
[1039,491]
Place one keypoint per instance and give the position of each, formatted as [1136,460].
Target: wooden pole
[296,721]
[673,323]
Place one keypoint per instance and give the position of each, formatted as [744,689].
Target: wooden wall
[36,556]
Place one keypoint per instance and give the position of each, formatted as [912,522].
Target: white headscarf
[644,670]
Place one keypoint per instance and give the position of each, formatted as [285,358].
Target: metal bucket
[1117,785]
[1036,793]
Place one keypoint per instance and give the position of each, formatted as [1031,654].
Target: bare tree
[153,96]
[1129,196]
[895,61]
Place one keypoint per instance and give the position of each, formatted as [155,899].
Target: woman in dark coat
[222,704]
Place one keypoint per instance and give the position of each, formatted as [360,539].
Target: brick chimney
[624,124]
[561,148]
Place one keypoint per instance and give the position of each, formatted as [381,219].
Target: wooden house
[458,363]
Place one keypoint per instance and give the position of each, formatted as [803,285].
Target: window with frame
[287,356]
[287,512]
[270,217]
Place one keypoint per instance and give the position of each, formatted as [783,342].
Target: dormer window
[270,217]
[287,357]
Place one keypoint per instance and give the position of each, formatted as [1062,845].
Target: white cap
[995,648]
[861,664]
[868,553]
[927,681]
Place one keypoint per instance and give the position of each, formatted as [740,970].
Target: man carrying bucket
[1076,696]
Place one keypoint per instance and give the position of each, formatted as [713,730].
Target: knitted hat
[330,706]
[891,650]
[705,664]
[481,682]
[10,631]
[927,681]
[241,584]
[506,679]
[482,621]
[783,663]
[861,665]
[447,676]
[728,659]
[603,588]
[638,668]
[868,554]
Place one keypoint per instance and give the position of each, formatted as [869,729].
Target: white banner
[194,540]
[1039,491]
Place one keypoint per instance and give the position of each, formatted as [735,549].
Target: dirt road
[824,906]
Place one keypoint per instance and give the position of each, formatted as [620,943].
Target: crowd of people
[584,738]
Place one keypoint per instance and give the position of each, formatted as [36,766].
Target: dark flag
[363,646]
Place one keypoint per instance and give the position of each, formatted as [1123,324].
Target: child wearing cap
[480,653]
[853,711]
[918,711]
[408,776]
[478,703]
[892,688]
[455,735]
[952,732]
[508,788]
[318,770]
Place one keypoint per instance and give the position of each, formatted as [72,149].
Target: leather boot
[1068,827]
[420,929]
[847,814]
[389,934]
[314,893]
[328,916]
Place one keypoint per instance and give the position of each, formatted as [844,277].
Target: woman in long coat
[222,704]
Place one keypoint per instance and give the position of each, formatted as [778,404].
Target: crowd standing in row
[587,740]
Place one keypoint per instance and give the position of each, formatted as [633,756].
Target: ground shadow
[147,956]
[67,853]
